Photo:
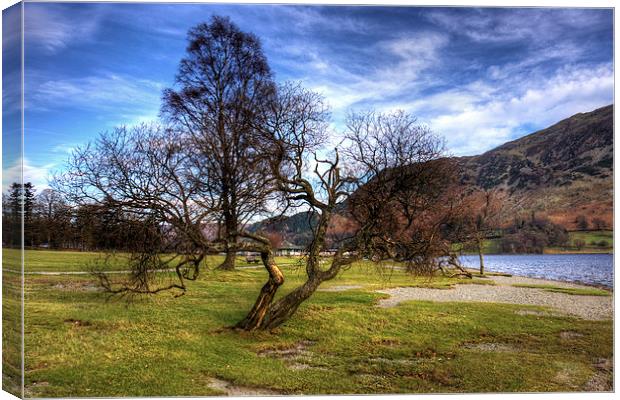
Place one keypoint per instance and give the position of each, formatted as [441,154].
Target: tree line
[50,221]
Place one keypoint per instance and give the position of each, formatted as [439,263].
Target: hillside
[563,171]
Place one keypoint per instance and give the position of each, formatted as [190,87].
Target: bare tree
[223,85]
[599,224]
[581,221]
[385,185]
[144,172]
[408,193]
[148,171]
[53,218]
[486,208]
[390,161]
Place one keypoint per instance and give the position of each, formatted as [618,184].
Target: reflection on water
[594,269]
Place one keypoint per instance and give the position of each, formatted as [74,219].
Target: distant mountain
[562,172]
[295,229]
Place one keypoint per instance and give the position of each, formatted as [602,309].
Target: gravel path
[586,307]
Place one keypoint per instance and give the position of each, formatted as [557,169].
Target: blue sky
[478,77]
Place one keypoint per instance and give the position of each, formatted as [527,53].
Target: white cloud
[98,89]
[311,19]
[64,148]
[473,116]
[487,121]
[38,175]
[47,27]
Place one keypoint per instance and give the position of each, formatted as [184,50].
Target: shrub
[579,243]
[533,236]
[582,222]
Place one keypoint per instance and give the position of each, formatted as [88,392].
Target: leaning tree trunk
[254,319]
[267,314]
[284,308]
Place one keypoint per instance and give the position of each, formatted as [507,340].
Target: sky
[478,77]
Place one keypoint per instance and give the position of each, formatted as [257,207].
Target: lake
[596,269]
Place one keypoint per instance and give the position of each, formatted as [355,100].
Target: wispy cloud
[52,29]
[125,95]
[404,59]
[536,25]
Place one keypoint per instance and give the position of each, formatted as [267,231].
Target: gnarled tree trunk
[267,314]
[284,308]
[254,319]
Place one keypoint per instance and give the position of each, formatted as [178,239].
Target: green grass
[83,261]
[592,236]
[78,344]
[11,326]
[591,240]
[573,291]
[489,246]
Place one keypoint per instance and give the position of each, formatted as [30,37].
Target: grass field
[83,261]
[79,344]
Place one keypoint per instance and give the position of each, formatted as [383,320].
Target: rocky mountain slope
[562,171]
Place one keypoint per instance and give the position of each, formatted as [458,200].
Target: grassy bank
[590,242]
[579,242]
[80,345]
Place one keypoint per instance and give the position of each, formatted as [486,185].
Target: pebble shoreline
[585,307]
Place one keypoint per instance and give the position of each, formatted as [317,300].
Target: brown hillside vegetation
[563,171]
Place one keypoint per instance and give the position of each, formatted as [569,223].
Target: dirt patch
[299,349]
[601,381]
[77,322]
[566,378]
[537,313]
[603,364]
[295,357]
[31,390]
[77,286]
[568,335]
[490,347]
[231,389]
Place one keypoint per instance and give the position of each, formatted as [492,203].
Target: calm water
[586,268]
